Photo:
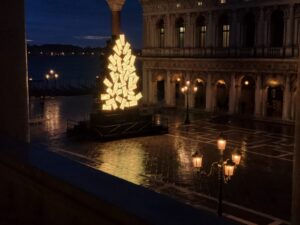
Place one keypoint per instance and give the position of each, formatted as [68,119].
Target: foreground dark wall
[13,76]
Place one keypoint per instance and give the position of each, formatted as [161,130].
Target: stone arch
[274,96]
[221,96]
[200,95]
[177,81]
[246,101]
[159,79]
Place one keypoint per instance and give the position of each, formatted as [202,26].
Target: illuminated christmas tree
[122,82]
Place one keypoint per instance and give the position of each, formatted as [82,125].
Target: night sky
[79,22]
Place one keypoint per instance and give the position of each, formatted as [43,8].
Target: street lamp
[225,168]
[186,90]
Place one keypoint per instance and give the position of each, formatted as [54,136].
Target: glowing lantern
[236,158]
[122,82]
[229,168]
[221,143]
[197,160]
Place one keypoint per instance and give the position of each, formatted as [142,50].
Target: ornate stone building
[240,54]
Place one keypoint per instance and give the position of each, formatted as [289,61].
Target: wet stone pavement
[258,193]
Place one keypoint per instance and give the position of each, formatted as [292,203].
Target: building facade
[242,55]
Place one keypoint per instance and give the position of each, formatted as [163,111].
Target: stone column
[172,93]
[290,25]
[168,31]
[296,171]
[116,7]
[208,94]
[258,96]
[286,100]
[145,86]
[168,89]
[289,34]
[232,94]
[14,78]
[150,87]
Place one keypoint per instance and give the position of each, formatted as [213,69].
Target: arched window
[224,31]
[277,28]
[249,30]
[201,32]
[180,32]
[161,33]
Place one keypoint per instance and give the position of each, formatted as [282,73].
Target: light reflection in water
[125,163]
[52,115]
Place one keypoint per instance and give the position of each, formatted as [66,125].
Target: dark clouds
[79,22]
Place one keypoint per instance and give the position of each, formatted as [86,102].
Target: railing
[269,52]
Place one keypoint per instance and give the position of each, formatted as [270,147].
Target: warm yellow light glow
[221,143]
[246,82]
[273,83]
[197,160]
[221,82]
[195,89]
[122,82]
[178,79]
[51,71]
[236,158]
[229,167]
[56,76]
[47,76]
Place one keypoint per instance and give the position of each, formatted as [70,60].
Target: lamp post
[51,75]
[225,168]
[186,90]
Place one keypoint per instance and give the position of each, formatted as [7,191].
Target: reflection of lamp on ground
[225,168]
[186,90]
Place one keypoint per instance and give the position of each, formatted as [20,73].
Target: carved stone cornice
[243,66]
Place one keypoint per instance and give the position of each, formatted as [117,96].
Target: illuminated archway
[200,95]
[247,96]
[222,96]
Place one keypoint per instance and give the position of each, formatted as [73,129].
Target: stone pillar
[289,34]
[116,7]
[208,94]
[232,94]
[168,89]
[258,96]
[172,93]
[150,87]
[145,86]
[14,78]
[296,168]
[290,24]
[286,100]
[145,32]
[168,31]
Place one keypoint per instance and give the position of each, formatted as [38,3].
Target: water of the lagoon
[70,68]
